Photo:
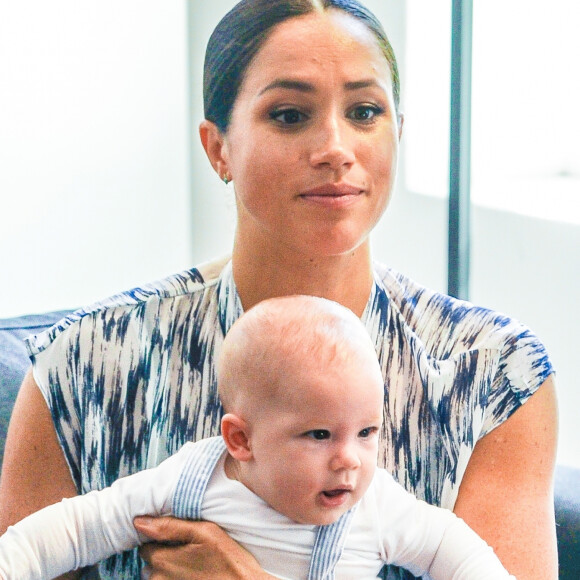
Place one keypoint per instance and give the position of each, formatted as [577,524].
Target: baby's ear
[235,433]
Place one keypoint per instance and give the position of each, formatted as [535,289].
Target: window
[525,114]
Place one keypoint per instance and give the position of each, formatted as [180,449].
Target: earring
[226,179]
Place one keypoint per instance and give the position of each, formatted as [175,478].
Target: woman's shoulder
[499,351]
[437,317]
[187,288]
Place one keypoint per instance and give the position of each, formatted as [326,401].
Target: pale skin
[301,430]
[291,242]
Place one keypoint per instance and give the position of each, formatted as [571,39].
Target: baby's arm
[463,555]
[86,529]
[426,539]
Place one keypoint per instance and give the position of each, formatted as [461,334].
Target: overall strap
[328,547]
[195,476]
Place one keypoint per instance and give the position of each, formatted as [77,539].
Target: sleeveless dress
[132,378]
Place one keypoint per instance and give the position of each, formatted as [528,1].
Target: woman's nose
[345,457]
[333,147]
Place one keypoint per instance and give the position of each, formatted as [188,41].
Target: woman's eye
[319,434]
[288,116]
[365,113]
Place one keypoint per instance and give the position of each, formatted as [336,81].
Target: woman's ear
[235,433]
[400,121]
[213,142]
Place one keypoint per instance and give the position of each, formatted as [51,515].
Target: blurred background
[104,185]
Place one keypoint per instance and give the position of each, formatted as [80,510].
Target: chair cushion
[567,504]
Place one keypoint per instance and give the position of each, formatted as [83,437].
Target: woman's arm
[34,472]
[506,494]
[189,550]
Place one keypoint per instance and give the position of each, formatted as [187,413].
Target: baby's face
[315,451]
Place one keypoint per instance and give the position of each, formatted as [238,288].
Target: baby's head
[303,395]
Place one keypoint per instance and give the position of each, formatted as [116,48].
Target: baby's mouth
[333,498]
[335,492]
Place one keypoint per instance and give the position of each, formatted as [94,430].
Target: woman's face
[313,141]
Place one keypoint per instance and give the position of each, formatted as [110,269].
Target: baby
[292,478]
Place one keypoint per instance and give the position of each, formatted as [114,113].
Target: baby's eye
[319,434]
[367,432]
[287,116]
[365,113]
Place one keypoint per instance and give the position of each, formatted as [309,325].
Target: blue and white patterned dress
[131,379]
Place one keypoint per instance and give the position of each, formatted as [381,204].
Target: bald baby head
[280,337]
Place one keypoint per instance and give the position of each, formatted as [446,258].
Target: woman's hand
[193,551]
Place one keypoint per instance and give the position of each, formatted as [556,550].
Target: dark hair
[243,30]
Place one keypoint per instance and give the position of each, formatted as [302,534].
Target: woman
[302,115]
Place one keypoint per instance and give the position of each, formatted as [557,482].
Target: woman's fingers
[183,549]
[166,530]
[172,553]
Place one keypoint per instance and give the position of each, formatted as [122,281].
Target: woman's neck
[346,279]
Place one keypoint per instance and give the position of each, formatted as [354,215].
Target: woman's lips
[333,195]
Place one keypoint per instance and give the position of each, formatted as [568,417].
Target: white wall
[214,214]
[94,190]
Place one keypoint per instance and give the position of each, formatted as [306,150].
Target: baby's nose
[346,457]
